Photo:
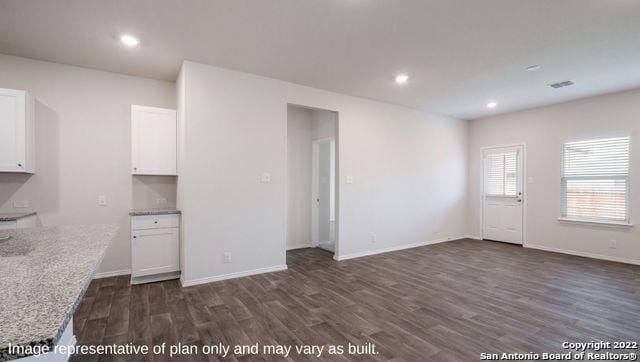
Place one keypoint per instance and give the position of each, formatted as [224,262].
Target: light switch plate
[349,179]
[226,256]
[102,200]
[265,178]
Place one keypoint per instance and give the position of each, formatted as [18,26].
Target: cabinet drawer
[146,222]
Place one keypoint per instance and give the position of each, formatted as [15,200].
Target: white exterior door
[502,196]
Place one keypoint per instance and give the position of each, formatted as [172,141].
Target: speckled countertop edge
[144,212]
[13,216]
[68,311]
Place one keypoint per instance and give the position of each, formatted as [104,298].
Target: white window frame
[626,223]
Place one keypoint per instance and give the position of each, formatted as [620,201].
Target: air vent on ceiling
[566,83]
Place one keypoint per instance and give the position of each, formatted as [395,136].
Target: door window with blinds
[501,174]
[595,180]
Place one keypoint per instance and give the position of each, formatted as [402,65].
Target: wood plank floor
[449,301]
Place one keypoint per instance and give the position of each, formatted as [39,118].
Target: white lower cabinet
[155,248]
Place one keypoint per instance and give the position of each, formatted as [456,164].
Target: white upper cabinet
[153,141]
[17,131]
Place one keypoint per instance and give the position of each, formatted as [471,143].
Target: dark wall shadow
[47,158]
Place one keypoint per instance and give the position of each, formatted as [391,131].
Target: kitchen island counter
[44,273]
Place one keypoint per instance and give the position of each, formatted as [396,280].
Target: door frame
[524,187]
[315,170]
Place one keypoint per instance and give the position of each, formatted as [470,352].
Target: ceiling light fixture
[492,104]
[565,83]
[402,78]
[129,40]
[532,68]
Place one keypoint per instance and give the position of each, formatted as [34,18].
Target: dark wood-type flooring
[448,301]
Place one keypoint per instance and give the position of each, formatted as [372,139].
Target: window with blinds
[502,174]
[595,180]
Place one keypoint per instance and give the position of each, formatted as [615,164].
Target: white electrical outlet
[265,177]
[21,204]
[161,201]
[613,244]
[226,256]
[102,200]
[349,179]
[374,238]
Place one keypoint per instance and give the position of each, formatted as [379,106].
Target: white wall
[544,130]
[299,136]
[409,171]
[83,148]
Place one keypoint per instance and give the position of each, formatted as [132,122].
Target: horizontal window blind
[595,180]
[501,174]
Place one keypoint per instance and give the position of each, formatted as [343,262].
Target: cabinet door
[154,141]
[155,251]
[26,222]
[12,130]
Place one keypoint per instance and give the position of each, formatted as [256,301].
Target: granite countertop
[44,273]
[13,216]
[143,212]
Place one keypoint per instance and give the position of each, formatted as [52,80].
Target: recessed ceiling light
[129,40]
[402,78]
[492,104]
[532,68]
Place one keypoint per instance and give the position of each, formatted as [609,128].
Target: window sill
[596,223]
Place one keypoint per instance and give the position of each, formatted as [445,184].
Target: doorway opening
[312,173]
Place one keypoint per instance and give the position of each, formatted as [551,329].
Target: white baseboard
[115,273]
[474,237]
[217,278]
[580,253]
[394,248]
[299,247]
[155,278]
